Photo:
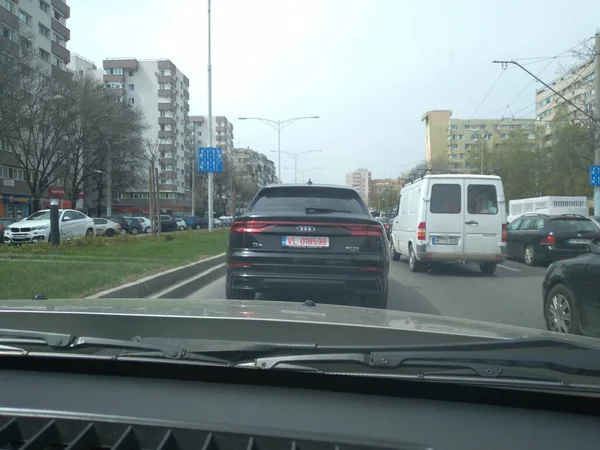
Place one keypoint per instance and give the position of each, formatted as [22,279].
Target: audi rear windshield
[302,200]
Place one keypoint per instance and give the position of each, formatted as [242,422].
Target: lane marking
[509,268]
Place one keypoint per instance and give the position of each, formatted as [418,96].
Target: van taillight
[250,226]
[421,231]
[504,232]
[549,240]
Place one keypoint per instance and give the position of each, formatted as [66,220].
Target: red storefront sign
[56,192]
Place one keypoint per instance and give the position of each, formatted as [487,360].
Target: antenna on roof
[309,182]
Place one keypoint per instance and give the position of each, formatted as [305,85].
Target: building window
[44,55]
[44,31]
[131,101]
[25,18]
[163,114]
[7,33]
[113,71]
[8,4]
[131,87]
[131,73]
[44,6]
[58,16]
[504,136]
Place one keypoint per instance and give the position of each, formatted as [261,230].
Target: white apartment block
[162,92]
[577,86]
[254,167]
[222,133]
[38,26]
[80,66]
[361,181]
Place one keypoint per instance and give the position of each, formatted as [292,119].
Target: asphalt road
[512,296]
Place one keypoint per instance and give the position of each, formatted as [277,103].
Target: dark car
[4,222]
[167,223]
[385,221]
[121,221]
[571,294]
[135,226]
[301,238]
[539,238]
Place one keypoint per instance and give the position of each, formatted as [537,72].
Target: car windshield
[425,170]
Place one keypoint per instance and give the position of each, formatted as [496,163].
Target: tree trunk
[36,203]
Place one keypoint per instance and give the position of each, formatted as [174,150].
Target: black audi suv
[308,238]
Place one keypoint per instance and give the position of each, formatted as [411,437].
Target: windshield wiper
[325,211]
[10,339]
[483,359]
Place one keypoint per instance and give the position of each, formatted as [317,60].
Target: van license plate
[305,241]
[444,241]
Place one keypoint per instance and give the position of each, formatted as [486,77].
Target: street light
[303,171]
[108,192]
[295,155]
[278,125]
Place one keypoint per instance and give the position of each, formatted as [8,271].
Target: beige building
[577,86]
[361,181]
[462,143]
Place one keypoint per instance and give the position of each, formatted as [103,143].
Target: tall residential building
[254,167]
[577,86]
[81,66]
[222,132]
[162,92]
[40,27]
[361,181]
[463,142]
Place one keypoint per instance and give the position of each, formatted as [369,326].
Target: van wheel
[413,263]
[393,252]
[488,268]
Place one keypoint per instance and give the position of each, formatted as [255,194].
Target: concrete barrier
[165,281]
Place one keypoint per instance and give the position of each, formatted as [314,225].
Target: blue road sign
[594,175]
[210,159]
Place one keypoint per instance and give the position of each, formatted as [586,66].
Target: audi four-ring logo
[305,229]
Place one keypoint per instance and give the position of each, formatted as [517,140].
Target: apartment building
[463,143]
[360,180]
[254,167]
[39,27]
[222,132]
[577,86]
[80,66]
[161,90]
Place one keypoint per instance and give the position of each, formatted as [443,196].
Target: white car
[181,225]
[146,223]
[36,228]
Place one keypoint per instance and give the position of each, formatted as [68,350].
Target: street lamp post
[296,155]
[108,191]
[210,130]
[278,125]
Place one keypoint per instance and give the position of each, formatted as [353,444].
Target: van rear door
[483,217]
[445,216]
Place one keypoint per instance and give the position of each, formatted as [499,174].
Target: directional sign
[594,175]
[210,159]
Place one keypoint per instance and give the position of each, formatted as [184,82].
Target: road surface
[512,296]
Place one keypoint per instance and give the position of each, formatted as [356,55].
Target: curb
[176,278]
[189,286]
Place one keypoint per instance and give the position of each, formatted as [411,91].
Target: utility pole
[210,129]
[109,181]
[597,124]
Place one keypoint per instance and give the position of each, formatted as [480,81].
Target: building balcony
[114,78]
[114,92]
[166,64]
[166,79]
[167,93]
[166,187]
[61,52]
[167,161]
[186,81]
[62,7]
[167,107]
[9,18]
[167,148]
[166,135]
[186,106]
[167,121]
[61,29]
[168,175]
[186,94]
[120,63]
[8,46]
[62,75]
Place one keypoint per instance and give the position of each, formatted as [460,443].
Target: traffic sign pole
[210,128]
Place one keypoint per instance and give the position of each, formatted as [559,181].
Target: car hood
[291,312]
[31,223]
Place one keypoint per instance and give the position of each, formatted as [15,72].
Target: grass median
[81,267]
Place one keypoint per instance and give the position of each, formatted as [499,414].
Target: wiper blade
[485,359]
[325,211]
[70,342]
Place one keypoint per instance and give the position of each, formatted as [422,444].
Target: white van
[451,218]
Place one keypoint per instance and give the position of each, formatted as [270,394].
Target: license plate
[19,238]
[444,241]
[579,241]
[305,241]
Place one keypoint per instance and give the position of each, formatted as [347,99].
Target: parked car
[36,228]
[146,223]
[450,218]
[121,221]
[540,238]
[181,225]
[167,223]
[196,223]
[105,227]
[313,238]
[135,226]
[571,300]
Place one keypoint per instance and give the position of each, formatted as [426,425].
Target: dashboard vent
[37,433]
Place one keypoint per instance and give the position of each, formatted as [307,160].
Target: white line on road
[509,268]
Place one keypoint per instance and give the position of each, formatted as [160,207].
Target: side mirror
[66,219]
[594,247]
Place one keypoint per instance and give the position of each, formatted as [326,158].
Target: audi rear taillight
[549,240]
[421,231]
[365,230]
[250,226]
[504,232]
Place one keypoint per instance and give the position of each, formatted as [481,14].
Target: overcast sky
[368,68]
